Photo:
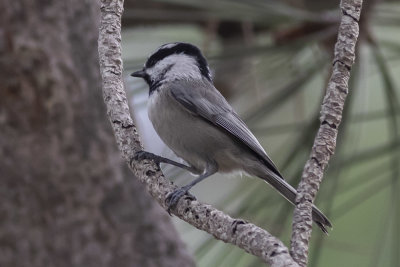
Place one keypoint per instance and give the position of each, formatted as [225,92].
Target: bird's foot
[173,198]
[142,155]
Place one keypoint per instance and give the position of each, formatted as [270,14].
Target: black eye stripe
[181,48]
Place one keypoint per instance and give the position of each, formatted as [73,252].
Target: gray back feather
[208,103]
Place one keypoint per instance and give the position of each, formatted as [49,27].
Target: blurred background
[67,199]
[272,60]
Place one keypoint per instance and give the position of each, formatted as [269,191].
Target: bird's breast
[176,127]
[191,137]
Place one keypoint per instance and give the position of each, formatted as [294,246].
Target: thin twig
[242,234]
[325,141]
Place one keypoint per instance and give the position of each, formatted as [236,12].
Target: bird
[199,125]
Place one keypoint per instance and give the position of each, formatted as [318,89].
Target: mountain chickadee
[197,123]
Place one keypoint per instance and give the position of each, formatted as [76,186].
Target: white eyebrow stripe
[168,45]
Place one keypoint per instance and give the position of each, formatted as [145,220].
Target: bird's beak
[139,74]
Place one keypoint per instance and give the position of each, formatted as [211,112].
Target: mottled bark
[245,235]
[66,197]
[325,140]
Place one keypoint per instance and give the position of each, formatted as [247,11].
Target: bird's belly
[191,137]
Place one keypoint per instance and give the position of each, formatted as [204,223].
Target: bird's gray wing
[208,103]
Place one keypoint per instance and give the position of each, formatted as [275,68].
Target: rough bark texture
[245,235]
[66,197]
[325,140]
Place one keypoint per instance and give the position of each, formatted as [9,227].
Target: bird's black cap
[180,48]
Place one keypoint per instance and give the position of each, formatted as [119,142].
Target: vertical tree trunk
[66,198]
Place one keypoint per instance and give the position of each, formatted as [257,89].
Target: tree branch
[247,236]
[325,140]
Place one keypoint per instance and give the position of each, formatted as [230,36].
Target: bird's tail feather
[286,190]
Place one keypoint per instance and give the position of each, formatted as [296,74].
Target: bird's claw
[142,155]
[173,198]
